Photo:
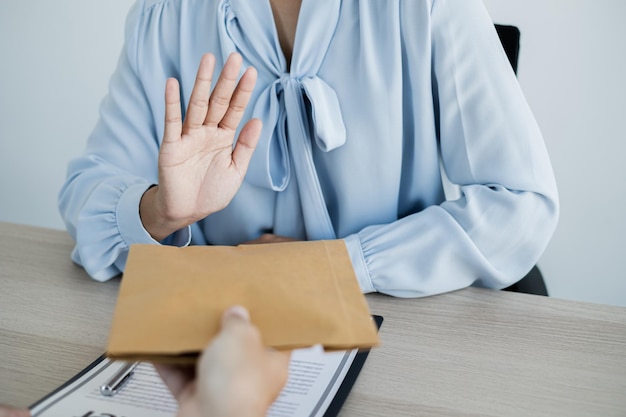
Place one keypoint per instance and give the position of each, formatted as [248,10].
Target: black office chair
[509,37]
[533,282]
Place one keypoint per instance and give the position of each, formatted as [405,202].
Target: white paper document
[315,377]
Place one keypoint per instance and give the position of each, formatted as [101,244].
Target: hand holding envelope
[299,294]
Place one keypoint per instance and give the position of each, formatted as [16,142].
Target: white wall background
[56,58]
[55,61]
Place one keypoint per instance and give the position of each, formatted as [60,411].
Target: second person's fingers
[177,378]
[235,312]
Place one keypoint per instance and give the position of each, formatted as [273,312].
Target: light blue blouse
[381,97]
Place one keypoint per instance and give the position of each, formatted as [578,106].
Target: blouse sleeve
[99,200]
[491,147]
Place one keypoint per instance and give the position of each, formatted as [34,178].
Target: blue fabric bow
[289,128]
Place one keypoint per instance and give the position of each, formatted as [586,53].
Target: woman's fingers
[246,143]
[199,100]
[173,116]
[222,93]
[224,107]
[239,100]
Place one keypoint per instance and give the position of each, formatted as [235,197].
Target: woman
[358,108]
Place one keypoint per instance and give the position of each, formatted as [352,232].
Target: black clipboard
[70,381]
[333,408]
[350,379]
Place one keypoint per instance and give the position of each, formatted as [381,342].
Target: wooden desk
[468,353]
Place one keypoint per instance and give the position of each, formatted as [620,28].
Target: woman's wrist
[153,217]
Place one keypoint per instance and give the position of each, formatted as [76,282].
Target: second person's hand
[199,169]
[236,376]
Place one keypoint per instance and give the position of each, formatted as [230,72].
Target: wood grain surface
[472,352]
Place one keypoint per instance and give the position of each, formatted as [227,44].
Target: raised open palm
[199,169]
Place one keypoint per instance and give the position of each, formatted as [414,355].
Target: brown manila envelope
[299,294]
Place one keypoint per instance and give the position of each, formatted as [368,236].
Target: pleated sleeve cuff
[353,243]
[105,232]
[130,225]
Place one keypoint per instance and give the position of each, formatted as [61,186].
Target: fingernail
[238,311]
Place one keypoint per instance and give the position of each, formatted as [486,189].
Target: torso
[335,62]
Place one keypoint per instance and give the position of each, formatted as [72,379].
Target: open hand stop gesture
[199,169]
